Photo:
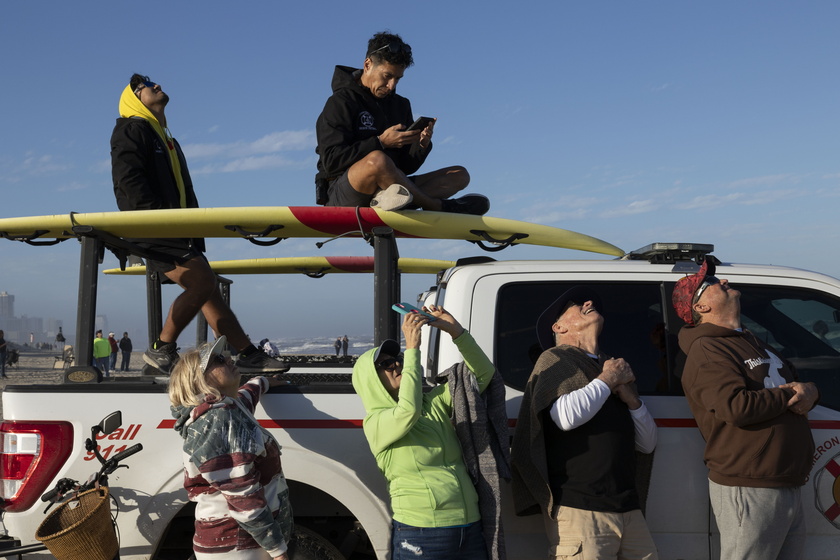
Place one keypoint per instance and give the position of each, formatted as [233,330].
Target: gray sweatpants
[759,523]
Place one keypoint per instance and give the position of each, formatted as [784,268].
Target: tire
[308,545]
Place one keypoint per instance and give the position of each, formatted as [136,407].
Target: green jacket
[101,348]
[414,443]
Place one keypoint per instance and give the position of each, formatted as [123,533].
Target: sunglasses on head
[393,48]
[707,281]
[389,364]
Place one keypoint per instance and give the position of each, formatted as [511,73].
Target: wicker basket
[81,529]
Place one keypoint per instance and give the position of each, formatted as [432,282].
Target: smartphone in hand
[420,123]
[403,308]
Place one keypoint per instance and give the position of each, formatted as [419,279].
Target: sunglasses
[144,84]
[707,281]
[389,364]
[218,359]
[393,48]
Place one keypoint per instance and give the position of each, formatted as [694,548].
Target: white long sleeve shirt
[578,407]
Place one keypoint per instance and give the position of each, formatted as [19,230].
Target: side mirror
[110,423]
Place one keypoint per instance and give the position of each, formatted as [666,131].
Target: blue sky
[634,122]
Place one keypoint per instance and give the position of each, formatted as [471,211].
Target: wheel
[308,545]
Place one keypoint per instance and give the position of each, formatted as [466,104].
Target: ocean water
[357,345]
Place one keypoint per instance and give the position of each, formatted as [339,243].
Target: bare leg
[443,183]
[377,171]
[200,293]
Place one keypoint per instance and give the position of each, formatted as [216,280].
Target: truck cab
[795,311]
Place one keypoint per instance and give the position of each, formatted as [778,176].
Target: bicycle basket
[81,528]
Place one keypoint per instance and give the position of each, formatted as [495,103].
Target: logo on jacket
[774,363]
[827,490]
[366,121]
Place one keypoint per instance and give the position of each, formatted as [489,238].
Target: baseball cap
[388,347]
[210,350]
[683,296]
[576,294]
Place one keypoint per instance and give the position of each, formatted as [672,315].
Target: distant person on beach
[125,347]
[337,346]
[150,172]
[367,155]
[115,350]
[344,344]
[3,355]
[269,348]
[102,353]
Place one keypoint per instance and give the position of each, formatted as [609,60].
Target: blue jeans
[102,364]
[437,543]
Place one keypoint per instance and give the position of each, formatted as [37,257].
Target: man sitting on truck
[752,415]
[150,172]
[366,145]
[580,423]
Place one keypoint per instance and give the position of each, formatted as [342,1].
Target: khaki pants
[595,535]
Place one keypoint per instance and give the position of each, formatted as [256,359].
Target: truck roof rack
[670,253]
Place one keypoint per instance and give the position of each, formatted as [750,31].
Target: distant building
[24,329]
[7,305]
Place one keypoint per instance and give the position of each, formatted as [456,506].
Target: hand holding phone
[403,308]
[420,124]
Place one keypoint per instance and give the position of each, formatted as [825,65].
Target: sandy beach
[36,367]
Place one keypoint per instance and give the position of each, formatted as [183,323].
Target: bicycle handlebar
[109,466]
[137,447]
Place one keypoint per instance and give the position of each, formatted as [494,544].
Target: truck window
[633,330]
[802,325]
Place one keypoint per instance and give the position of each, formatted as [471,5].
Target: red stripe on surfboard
[352,264]
[335,220]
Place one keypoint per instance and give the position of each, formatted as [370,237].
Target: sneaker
[260,362]
[162,358]
[395,197]
[476,204]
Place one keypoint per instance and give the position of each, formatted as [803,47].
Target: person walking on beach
[125,347]
[115,350]
[150,172]
[101,353]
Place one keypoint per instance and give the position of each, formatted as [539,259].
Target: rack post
[84,372]
[386,285]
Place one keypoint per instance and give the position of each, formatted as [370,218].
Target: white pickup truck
[337,491]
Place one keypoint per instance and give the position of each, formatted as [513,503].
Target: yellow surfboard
[312,266]
[272,222]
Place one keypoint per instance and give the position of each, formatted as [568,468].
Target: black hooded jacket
[142,174]
[352,118]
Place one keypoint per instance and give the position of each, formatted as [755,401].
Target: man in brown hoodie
[751,412]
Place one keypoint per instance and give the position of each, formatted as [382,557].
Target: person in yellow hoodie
[150,173]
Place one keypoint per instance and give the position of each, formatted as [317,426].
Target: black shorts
[341,193]
[179,255]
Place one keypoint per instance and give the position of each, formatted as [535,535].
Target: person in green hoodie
[434,503]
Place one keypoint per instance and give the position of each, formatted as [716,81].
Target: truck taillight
[31,454]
